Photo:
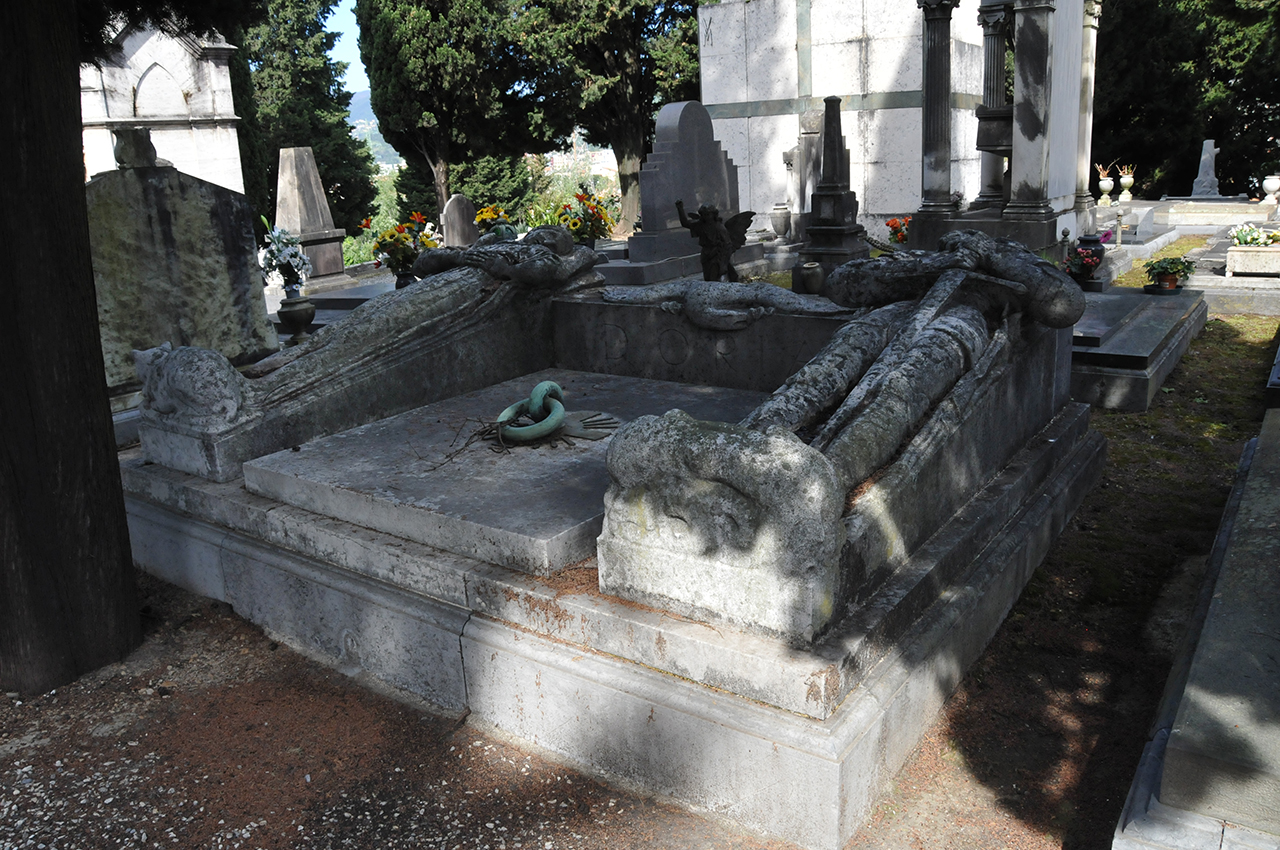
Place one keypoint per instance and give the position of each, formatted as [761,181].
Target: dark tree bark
[67,598]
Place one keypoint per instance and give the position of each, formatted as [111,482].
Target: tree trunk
[440,174]
[67,598]
[628,150]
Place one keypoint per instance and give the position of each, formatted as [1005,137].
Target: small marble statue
[718,239]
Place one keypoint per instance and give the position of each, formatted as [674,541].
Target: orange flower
[400,228]
[418,217]
[366,224]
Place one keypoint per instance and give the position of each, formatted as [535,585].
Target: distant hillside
[360,109]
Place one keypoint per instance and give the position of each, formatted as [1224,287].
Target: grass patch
[1136,278]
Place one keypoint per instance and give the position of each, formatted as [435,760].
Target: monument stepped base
[725,722]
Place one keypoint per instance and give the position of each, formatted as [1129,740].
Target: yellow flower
[575,224]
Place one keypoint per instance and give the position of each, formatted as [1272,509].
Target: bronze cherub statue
[718,239]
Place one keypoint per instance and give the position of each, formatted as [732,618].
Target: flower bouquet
[898,229]
[587,219]
[1081,263]
[1247,234]
[282,260]
[397,247]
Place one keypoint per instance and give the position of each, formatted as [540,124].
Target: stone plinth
[459,222]
[534,509]
[174,260]
[303,210]
[1248,259]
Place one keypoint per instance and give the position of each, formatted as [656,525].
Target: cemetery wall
[179,88]
[766,61]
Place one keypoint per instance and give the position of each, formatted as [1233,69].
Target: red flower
[893,223]
[418,217]
[399,228]
[377,264]
[366,224]
[580,197]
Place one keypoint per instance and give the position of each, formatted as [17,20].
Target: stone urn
[810,278]
[1271,185]
[296,312]
[1126,183]
[1091,245]
[1105,185]
[780,220]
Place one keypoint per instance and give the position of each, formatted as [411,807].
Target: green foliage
[1172,73]
[415,191]
[301,103]
[497,180]
[358,247]
[99,20]
[627,58]
[449,82]
[1155,269]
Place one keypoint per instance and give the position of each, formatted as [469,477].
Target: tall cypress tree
[301,103]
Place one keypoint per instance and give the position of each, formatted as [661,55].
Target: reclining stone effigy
[774,523]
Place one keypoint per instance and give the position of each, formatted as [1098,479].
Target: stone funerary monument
[814,514]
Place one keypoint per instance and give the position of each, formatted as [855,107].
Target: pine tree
[301,103]
[449,83]
[627,59]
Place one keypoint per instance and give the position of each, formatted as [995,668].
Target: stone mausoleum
[178,87]
[767,62]
[928,122]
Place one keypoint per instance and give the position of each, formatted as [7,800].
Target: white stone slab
[534,509]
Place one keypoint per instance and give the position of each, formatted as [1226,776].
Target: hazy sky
[343,22]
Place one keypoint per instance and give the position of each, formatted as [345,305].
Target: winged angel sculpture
[718,239]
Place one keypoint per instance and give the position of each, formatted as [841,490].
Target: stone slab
[1126,371]
[1102,318]
[533,509]
[1223,755]
[660,267]
[641,341]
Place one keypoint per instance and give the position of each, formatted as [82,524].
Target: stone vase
[1126,183]
[1105,185]
[405,278]
[811,278]
[1271,185]
[295,313]
[780,220]
[1092,244]
[590,243]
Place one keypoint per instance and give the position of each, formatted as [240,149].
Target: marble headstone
[174,260]
[687,164]
[459,222]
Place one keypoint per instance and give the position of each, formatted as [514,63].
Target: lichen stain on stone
[822,685]
[1033,51]
[1030,122]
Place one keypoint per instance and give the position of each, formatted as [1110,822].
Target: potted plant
[283,264]
[587,219]
[1126,182]
[1105,183]
[1165,274]
[398,247]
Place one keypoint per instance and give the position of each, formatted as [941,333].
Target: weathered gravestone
[303,210]
[1206,182]
[459,222]
[174,260]
[687,164]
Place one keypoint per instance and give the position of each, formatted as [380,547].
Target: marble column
[1084,142]
[1033,65]
[993,17]
[935,183]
